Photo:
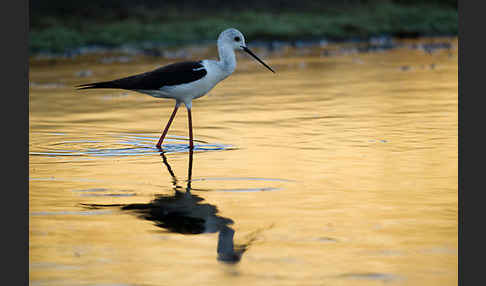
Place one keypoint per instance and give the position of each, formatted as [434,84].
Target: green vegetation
[57,34]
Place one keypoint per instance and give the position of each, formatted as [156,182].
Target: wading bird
[185,81]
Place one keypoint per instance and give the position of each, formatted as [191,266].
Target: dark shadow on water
[185,213]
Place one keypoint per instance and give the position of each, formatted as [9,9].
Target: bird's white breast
[192,90]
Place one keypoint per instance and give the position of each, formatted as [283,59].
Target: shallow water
[340,169]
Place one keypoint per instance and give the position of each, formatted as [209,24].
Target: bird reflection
[185,213]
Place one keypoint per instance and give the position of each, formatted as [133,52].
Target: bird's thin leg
[191,141]
[168,125]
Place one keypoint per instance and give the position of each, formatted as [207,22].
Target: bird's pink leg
[191,142]
[167,126]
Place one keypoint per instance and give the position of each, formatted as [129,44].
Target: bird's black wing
[173,74]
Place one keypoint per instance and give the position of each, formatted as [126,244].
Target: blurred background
[61,26]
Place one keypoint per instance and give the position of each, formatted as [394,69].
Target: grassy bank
[58,35]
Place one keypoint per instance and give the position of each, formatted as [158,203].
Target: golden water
[336,170]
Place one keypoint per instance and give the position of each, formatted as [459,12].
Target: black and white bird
[185,81]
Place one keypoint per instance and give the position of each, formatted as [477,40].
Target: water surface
[340,169]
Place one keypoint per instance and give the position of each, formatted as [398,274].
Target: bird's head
[234,39]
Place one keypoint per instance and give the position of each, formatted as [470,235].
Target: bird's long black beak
[256,58]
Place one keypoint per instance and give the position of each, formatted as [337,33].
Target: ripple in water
[126,145]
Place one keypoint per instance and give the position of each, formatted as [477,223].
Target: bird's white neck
[227,57]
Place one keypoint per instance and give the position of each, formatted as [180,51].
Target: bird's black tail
[104,84]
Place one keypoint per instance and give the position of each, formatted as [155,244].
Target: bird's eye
[237,39]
